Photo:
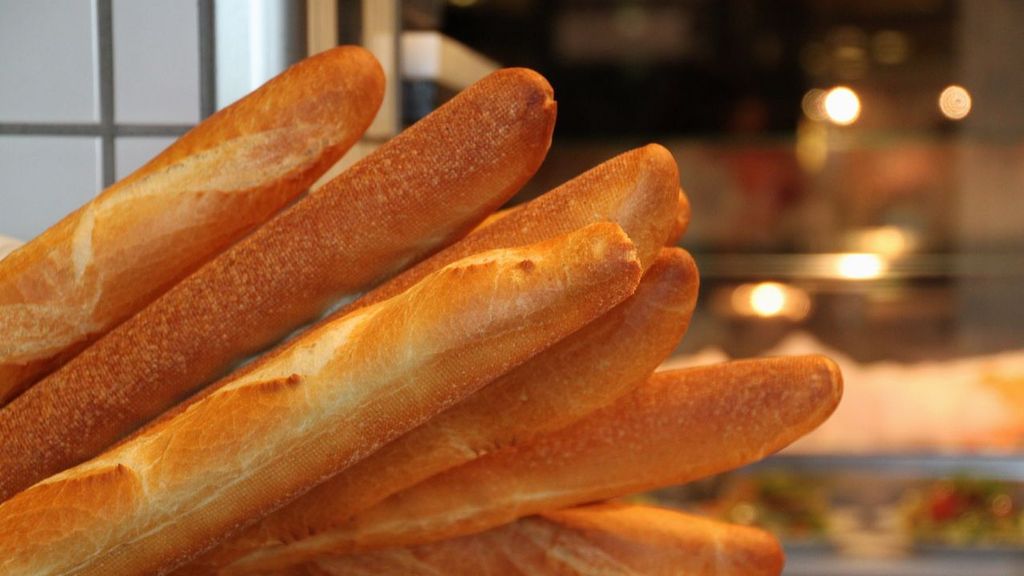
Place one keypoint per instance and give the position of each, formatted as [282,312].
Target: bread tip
[824,375]
[756,552]
[532,78]
[772,553]
[661,161]
[531,89]
[657,151]
[680,265]
[835,379]
[682,221]
[367,68]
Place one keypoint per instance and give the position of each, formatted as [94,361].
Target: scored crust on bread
[679,426]
[638,189]
[105,261]
[586,371]
[330,398]
[607,539]
[419,191]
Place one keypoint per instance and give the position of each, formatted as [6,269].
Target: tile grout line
[105,36]
[207,60]
[89,129]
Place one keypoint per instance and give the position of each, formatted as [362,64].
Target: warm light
[770,300]
[884,240]
[813,104]
[842,106]
[462,3]
[860,266]
[811,145]
[955,102]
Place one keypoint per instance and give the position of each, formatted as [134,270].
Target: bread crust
[586,371]
[420,191]
[638,189]
[111,257]
[680,426]
[608,539]
[682,220]
[331,397]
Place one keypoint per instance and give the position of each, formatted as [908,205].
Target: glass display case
[855,171]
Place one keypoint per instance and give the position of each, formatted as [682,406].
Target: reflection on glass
[771,300]
[860,266]
[813,104]
[955,102]
[842,106]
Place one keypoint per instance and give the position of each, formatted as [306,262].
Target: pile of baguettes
[479,382]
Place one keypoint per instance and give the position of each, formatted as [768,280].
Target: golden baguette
[586,371]
[329,398]
[632,189]
[114,255]
[421,190]
[638,189]
[682,220]
[606,539]
[680,426]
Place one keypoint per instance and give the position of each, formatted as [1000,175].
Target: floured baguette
[330,398]
[679,426]
[584,372]
[114,255]
[418,192]
[605,539]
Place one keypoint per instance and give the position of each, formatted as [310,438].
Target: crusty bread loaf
[682,220]
[606,539]
[424,188]
[8,245]
[586,371]
[111,257]
[330,397]
[638,189]
[679,426]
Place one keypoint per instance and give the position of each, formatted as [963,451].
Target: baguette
[421,190]
[638,189]
[682,220]
[114,255]
[329,398]
[584,372]
[607,539]
[680,426]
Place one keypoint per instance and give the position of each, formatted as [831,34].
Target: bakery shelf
[823,266]
[937,564]
[997,467]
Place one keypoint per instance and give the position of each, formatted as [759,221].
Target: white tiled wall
[42,178]
[156,61]
[47,61]
[49,74]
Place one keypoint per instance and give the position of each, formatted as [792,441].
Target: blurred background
[855,168]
